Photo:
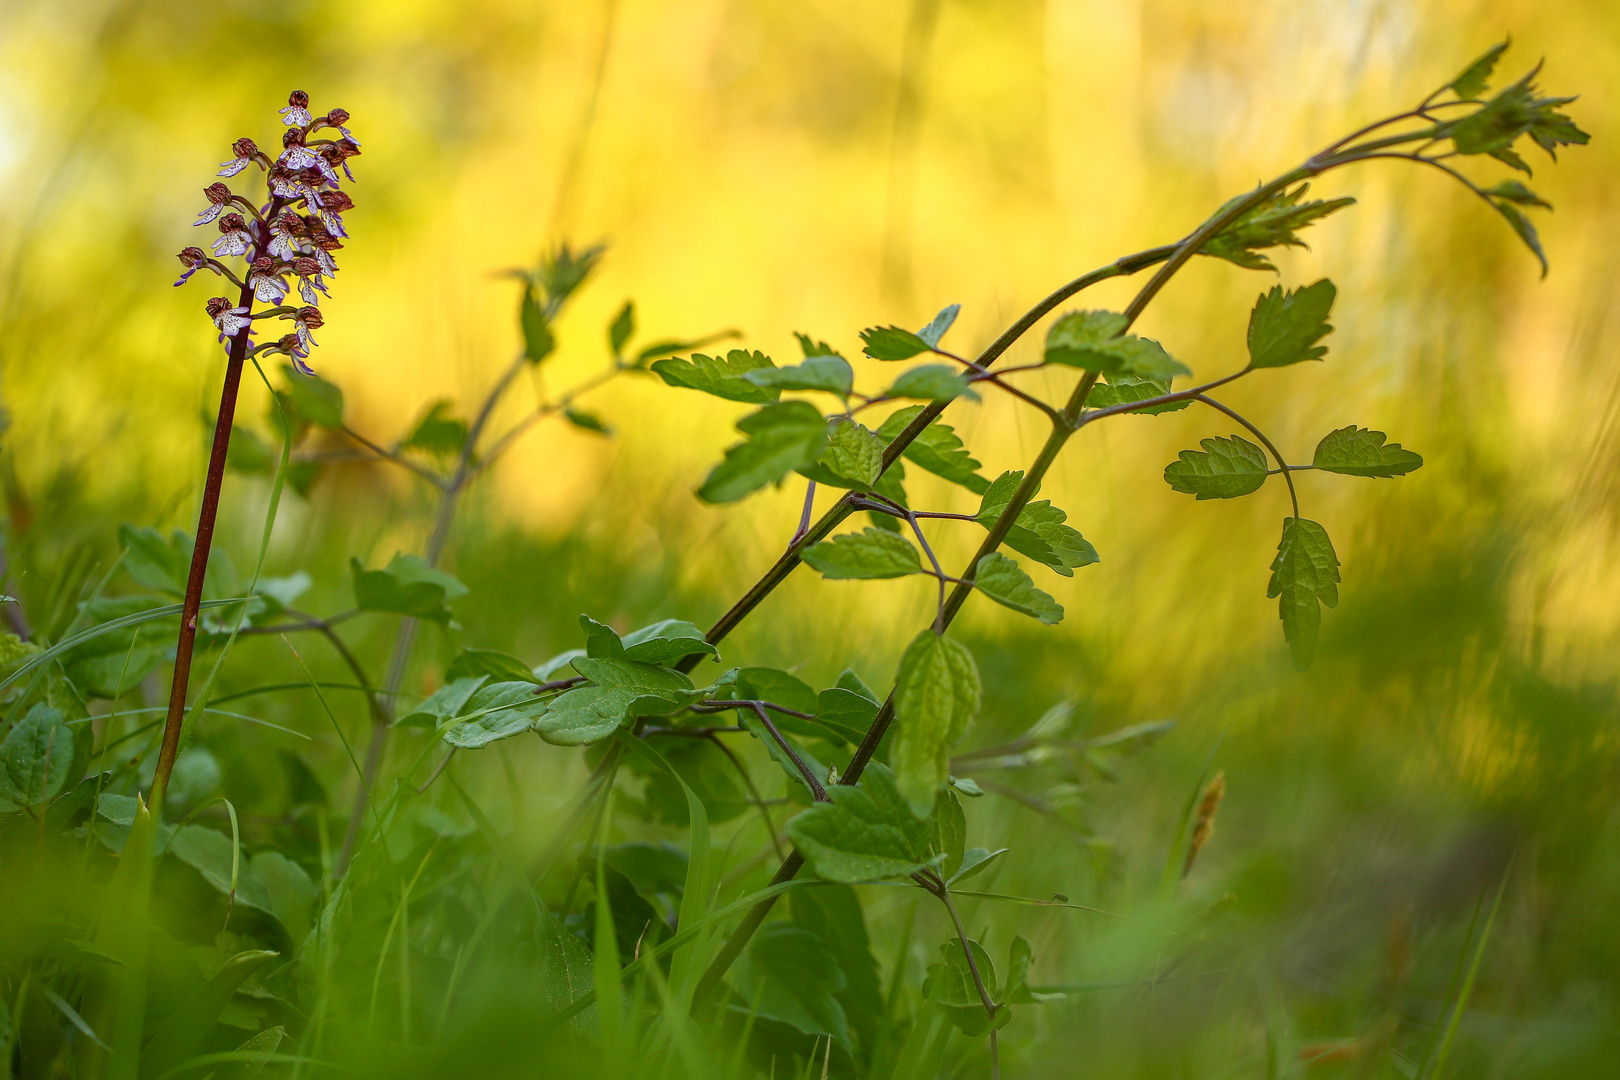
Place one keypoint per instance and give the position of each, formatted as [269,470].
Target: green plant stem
[937,886]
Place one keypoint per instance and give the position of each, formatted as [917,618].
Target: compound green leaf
[1476,77]
[853,458]
[1355,451]
[936,697]
[1284,327]
[722,377]
[936,448]
[932,382]
[1304,574]
[36,758]
[499,666]
[789,975]
[1005,582]
[1274,223]
[1224,469]
[892,343]
[866,833]
[494,712]
[830,373]
[1096,341]
[812,347]
[666,642]
[1040,532]
[781,438]
[1130,389]
[870,553]
[407,586]
[939,325]
[952,988]
[444,704]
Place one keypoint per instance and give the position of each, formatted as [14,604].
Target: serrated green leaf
[789,975]
[936,449]
[870,553]
[721,377]
[1476,77]
[653,689]
[36,759]
[1040,532]
[1130,389]
[407,586]
[1515,192]
[1284,327]
[846,712]
[892,343]
[1005,582]
[867,832]
[1525,230]
[538,340]
[1225,469]
[830,373]
[444,704]
[1274,223]
[1095,341]
[1304,574]
[437,432]
[666,642]
[950,832]
[497,665]
[1356,451]
[932,382]
[811,347]
[952,988]
[853,458]
[621,328]
[939,325]
[313,398]
[781,438]
[494,712]
[936,697]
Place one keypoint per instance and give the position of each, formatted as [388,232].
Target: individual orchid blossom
[230,320]
[234,239]
[244,150]
[296,114]
[219,197]
[292,234]
[266,282]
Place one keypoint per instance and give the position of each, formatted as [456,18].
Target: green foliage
[502,667]
[437,432]
[866,833]
[782,437]
[1096,341]
[665,642]
[1476,77]
[1004,581]
[1130,389]
[936,697]
[952,987]
[789,977]
[937,448]
[1304,575]
[1275,222]
[870,553]
[1225,468]
[406,586]
[827,372]
[36,758]
[724,378]
[312,399]
[621,329]
[1285,326]
[494,712]
[932,382]
[892,343]
[1356,451]
[853,457]
[1040,532]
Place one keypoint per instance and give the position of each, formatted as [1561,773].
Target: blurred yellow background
[824,166]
